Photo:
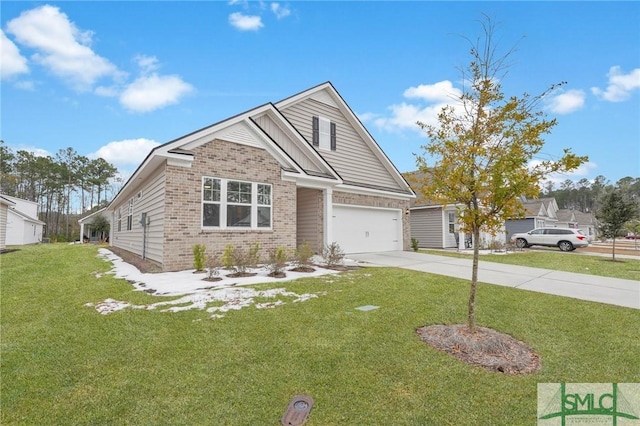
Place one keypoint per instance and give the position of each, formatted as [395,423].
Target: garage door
[365,229]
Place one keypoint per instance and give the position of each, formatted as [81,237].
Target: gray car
[566,239]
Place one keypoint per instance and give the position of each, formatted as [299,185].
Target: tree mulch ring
[242,274]
[277,275]
[212,279]
[302,269]
[486,348]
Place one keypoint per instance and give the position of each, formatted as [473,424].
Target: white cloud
[620,85]
[280,11]
[567,102]
[583,171]
[427,101]
[61,47]
[26,85]
[405,116]
[38,152]
[442,91]
[12,63]
[150,92]
[146,63]
[245,22]
[125,154]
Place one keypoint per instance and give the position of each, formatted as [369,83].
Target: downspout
[328,216]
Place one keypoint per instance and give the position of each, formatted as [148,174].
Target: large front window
[235,204]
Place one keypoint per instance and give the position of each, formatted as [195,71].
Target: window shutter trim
[315,130]
[333,136]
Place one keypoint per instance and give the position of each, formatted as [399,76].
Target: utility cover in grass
[367,308]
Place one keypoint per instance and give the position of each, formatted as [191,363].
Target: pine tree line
[64,186]
[586,196]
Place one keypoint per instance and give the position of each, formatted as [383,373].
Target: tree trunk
[614,248]
[471,318]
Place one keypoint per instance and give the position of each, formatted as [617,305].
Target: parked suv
[566,239]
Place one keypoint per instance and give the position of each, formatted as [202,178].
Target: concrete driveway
[613,291]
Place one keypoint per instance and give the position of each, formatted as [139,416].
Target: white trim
[371,191]
[327,200]
[307,181]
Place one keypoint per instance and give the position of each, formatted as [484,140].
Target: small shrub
[199,257]
[414,244]
[277,261]
[213,268]
[253,255]
[303,255]
[332,255]
[497,245]
[228,257]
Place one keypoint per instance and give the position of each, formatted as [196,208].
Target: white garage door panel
[361,229]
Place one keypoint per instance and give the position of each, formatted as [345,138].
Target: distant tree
[101,225]
[614,212]
[633,226]
[482,150]
[7,177]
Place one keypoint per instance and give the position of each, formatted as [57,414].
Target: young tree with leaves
[480,154]
[614,212]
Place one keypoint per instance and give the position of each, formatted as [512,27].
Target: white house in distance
[22,226]
[87,231]
[5,204]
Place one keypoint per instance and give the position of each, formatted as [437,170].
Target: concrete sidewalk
[613,291]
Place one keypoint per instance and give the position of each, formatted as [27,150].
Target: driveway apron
[613,291]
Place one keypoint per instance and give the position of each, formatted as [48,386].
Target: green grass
[556,260]
[63,363]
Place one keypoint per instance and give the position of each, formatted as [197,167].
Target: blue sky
[114,79]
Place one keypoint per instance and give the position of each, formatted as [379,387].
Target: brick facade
[183,203]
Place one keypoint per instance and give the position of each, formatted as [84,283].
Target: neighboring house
[304,169]
[5,204]
[437,226]
[87,232]
[541,212]
[569,218]
[23,226]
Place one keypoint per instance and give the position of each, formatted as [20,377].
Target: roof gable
[267,127]
[358,160]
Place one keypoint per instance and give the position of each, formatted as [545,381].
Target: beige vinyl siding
[354,161]
[426,227]
[309,221]
[285,142]
[151,201]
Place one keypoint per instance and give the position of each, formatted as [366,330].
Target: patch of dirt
[486,348]
[143,265]
[212,279]
[277,275]
[302,269]
[5,250]
[242,274]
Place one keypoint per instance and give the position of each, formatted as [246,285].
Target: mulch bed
[143,265]
[486,348]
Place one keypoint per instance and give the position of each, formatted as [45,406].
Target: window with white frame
[130,215]
[119,220]
[228,204]
[452,223]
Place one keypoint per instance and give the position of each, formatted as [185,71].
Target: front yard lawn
[64,363]
[625,268]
